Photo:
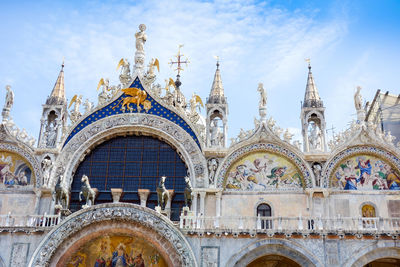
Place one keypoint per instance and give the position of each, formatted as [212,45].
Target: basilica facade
[141,178]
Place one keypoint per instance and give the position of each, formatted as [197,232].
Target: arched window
[368,213]
[263,211]
[132,163]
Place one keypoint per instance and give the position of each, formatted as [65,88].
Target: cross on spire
[179,61]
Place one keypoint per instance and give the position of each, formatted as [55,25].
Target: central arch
[121,219]
[125,124]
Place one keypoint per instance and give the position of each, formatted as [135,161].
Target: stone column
[194,203]
[168,205]
[116,194]
[143,195]
[37,206]
[202,202]
[218,196]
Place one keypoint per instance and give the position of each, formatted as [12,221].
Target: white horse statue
[88,193]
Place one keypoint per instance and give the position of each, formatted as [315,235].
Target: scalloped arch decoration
[284,169]
[362,167]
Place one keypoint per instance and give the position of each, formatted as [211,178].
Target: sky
[350,43]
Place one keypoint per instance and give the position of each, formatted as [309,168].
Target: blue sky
[350,43]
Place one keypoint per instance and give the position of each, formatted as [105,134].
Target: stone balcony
[28,223]
[247,225]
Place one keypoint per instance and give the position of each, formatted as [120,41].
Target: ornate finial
[179,63]
[217,58]
[62,65]
[309,62]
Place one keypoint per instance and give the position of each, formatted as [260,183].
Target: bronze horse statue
[88,193]
[162,193]
[61,195]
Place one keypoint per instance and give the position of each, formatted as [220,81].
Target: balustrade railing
[291,224]
[44,220]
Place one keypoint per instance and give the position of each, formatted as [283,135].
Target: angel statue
[195,102]
[103,96]
[77,100]
[153,63]
[125,67]
[141,38]
[75,114]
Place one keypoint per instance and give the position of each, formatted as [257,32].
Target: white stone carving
[46,170]
[358,102]
[141,38]
[212,170]
[8,104]
[314,137]
[262,104]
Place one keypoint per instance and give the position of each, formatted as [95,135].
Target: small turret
[217,112]
[313,118]
[54,115]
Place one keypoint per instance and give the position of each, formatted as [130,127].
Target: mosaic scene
[14,170]
[263,171]
[365,172]
[117,251]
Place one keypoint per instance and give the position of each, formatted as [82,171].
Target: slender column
[38,196]
[202,202]
[194,203]
[218,196]
[116,194]
[169,201]
[143,195]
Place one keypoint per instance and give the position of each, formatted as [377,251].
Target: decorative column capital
[143,195]
[116,194]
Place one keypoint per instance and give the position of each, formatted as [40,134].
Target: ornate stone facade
[261,197]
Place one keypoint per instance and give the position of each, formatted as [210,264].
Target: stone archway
[373,253]
[113,219]
[121,124]
[273,260]
[273,247]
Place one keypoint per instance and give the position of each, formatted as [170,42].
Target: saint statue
[9,98]
[141,38]
[358,99]
[215,133]
[51,135]
[315,137]
[263,96]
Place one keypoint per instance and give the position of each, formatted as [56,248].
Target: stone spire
[57,96]
[311,97]
[217,114]
[313,118]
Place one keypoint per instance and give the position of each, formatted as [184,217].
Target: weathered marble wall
[17,248]
[227,251]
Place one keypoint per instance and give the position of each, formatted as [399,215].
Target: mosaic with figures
[263,171]
[14,170]
[117,250]
[365,172]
